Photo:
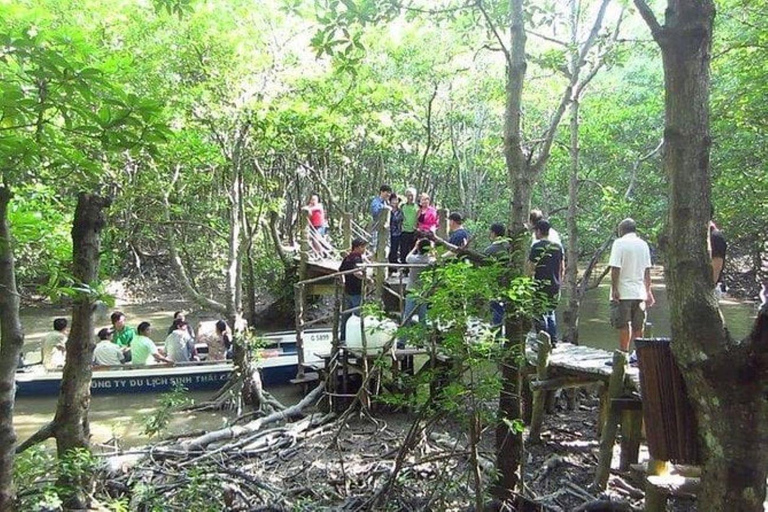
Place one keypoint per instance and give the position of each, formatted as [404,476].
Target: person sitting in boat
[181,315]
[107,353]
[179,345]
[53,347]
[144,350]
[220,344]
[122,335]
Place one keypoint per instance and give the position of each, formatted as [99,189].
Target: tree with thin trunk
[70,426]
[577,288]
[525,164]
[726,379]
[11,342]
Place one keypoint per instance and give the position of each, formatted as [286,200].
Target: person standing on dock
[316,213]
[717,249]
[426,220]
[631,293]
[533,218]
[410,218]
[395,231]
[353,282]
[378,205]
[499,250]
[547,265]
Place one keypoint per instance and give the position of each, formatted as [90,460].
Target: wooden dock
[588,363]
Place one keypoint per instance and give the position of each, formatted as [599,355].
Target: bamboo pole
[655,498]
[631,428]
[304,247]
[608,437]
[346,231]
[381,250]
[540,396]
[299,301]
[366,399]
[334,361]
[442,222]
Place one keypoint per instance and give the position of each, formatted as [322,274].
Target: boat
[277,359]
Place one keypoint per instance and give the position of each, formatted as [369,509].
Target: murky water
[595,329]
[121,415]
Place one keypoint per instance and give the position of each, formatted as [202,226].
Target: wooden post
[608,437]
[540,396]
[366,399]
[346,231]
[631,427]
[304,247]
[655,498]
[442,222]
[331,371]
[298,293]
[381,250]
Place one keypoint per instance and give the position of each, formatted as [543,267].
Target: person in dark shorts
[499,250]
[718,247]
[395,230]
[547,265]
[631,293]
[353,282]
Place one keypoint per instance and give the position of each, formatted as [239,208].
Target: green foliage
[37,474]
[34,476]
[201,491]
[157,421]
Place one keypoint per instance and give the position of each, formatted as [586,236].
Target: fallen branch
[235,431]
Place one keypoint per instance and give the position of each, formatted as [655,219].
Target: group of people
[411,241]
[123,344]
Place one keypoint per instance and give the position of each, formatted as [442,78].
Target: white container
[377,332]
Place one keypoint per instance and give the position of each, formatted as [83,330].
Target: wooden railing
[302,289]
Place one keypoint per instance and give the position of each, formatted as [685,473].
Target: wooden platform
[588,362]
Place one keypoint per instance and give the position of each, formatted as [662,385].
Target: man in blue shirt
[459,236]
[378,204]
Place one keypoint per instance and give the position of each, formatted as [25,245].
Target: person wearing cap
[107,353]
[547,265]
[631,293]
[353,282]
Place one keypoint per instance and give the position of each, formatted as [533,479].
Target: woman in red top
[316,214]
[427,216]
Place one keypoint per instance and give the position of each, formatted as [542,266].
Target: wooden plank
[321,289]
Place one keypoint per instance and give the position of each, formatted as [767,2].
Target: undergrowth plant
[464,383]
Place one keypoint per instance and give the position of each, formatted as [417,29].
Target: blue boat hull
[278,365]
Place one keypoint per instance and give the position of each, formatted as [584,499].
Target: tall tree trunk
[509,441]
[571,314]
[725,380]
[11,342]
[71,427]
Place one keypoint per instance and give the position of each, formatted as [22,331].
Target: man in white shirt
[107,353]
[53,346]
[631,293]
[533,218]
